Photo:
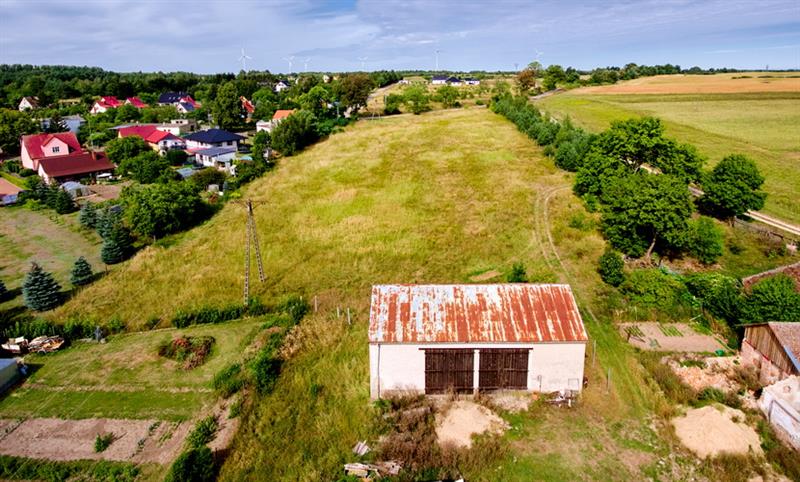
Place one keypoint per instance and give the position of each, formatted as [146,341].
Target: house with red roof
[39,146]
[160,140]
[105,103]
[136,102]
[59,157]
[277,118]
[248,107]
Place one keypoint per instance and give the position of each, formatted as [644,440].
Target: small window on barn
[56,149]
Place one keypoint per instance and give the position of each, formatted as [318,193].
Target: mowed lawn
[764,126]
[51,240]
[126,378]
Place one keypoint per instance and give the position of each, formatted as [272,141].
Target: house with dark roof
[35,147]
[177,98]
[454,81]
[212,138]
[472,81]
[773,348]
[475,338]
[184,107]
[73,167]
[28,103]
[281,85]
[439,80]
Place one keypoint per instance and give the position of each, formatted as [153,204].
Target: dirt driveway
[668,337]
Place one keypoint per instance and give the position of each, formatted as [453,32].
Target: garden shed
[468,338]
[8,373]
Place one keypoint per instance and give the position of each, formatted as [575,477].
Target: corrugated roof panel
[496,313]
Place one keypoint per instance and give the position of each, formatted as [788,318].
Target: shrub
[266,368]
[102,442]
[202,433]
[611,268]
[191,350]
[705,240]
[293,305]
[194,465]
[772,299]
[229,380]
[518,274]
[717,293]
[655,289]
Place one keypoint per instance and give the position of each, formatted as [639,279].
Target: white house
[218,157]
[468,338]
[472,81]
[282,85]
[212,138]
[439,80]
[28,103]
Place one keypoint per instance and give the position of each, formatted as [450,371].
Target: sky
[207,36]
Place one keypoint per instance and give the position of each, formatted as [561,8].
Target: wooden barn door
[503,369]
[449,369]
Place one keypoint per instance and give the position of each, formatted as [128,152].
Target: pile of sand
[712,430]
[463,419]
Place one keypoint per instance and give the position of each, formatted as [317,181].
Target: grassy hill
[763,125]
[449,196]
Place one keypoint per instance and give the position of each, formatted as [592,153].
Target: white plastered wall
[401,367]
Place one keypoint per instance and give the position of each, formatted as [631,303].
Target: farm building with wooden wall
[773,348]
[468,338]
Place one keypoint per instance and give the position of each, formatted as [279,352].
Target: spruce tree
[3,290]
[62,202]
[88,215]
[81,272]
[39,290]
[116,246]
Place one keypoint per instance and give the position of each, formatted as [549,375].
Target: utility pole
[251,233]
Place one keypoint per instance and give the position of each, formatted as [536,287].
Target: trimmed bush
[611,267]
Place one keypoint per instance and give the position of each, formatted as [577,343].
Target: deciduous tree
[733,188]
[227,108]
[159,209]
[705,240]
[353,90]
[120,149]
[772,299]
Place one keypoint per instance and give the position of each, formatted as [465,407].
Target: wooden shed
[773,348]
[468,338]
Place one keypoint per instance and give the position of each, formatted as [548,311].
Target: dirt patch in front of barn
[462,419]
[57,439]
[677,337]
[713,430]
[485,276]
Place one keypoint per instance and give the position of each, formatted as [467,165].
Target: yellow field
[740,82]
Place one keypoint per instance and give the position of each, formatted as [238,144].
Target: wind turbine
[305,65]
[289,59]
[243,59]
[362,60]
[516,66]
[437,59]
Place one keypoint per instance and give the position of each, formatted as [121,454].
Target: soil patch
[485,276]
[668,337]
[57,439]
[464,419]
[713,430]
[747,82]
[717,372]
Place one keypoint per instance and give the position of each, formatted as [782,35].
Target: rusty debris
[41,344]
[372,471]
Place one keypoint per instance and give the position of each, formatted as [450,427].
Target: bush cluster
[22,468]
[192,351]
[50,195]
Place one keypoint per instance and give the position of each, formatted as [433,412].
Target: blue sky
[207,35]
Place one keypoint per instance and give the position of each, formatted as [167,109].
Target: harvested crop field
[57,439]
[740,82]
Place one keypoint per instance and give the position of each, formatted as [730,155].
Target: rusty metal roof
[492,313]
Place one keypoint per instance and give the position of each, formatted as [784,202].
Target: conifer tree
[62,202]
[81,272]
[3,290]
[39,290]
[88,215]
[116,246]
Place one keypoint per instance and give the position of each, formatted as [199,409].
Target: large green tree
[353,90]
[294,133]
[644,211]
[772,299]
[705,240]
[417,99]
[117,244]
[262,142]
[120,149]
[447,95]
[227,108]
[159,209]
[40,291]
[13,125]
[316,101]
[147,167]
[733,188]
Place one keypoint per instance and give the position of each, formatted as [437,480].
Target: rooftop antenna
[251,234]
[362,60]
[243,59]
[437,59]
[290,59]
[305,65]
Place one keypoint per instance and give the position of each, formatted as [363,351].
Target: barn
[468,338]
[773,349]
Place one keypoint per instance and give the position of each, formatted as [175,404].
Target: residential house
[439,80]
[404,82]
[184,107]
[282,85]
[212,138]
[277,118]
[136,102]
[472,81]
[217,157]
[28,103]
[454,81]
[73,123]
[159,140]
[79,165]
[470,338]
[105,103]
[175,98]
[38,146]
[773,348]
